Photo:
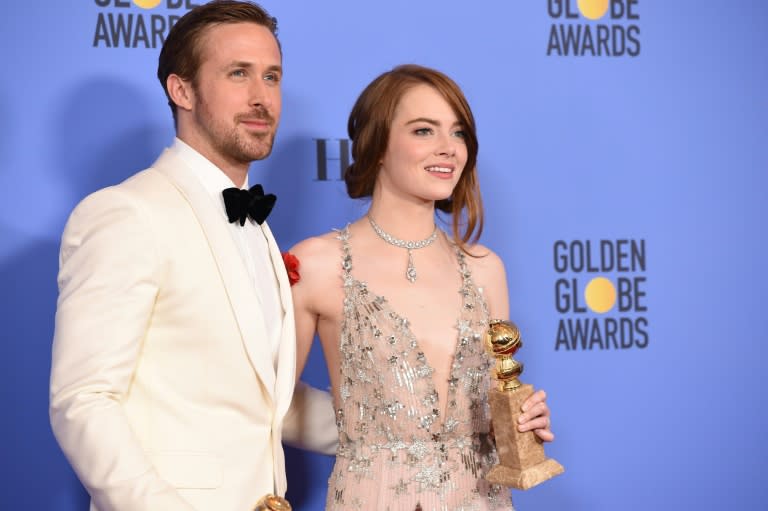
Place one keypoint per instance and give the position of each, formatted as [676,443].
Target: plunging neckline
[406,324]
[462,324]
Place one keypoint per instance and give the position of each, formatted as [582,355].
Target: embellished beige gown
[395,450]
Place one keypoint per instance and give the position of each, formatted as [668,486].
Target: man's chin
[261,153]
[256,151]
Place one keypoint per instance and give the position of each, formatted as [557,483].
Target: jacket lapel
[242,296]
[286,364]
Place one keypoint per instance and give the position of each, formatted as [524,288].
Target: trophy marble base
[522,462]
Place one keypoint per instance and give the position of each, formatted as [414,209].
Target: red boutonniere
[292,267]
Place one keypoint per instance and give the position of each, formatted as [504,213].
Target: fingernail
[521,419]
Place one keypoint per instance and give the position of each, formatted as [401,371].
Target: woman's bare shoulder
[318,246]
[490,276]
[319,257]
[484,262]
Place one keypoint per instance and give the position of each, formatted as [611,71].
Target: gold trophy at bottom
[272,503]
[522,462]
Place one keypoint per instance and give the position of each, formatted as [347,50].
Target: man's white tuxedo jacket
[163,391]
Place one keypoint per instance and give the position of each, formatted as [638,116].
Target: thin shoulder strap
[346,253]
[461,257]
[466,274]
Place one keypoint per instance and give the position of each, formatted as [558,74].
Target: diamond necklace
[410,246]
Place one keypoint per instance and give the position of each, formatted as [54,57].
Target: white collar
[213,179]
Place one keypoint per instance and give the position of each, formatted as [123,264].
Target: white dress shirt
[251,242]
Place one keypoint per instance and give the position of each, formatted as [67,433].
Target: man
[174,351]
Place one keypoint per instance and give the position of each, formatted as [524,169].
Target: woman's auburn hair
[368,128]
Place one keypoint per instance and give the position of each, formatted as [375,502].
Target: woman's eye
[423,131]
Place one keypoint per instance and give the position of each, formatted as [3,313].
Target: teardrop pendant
[410,272]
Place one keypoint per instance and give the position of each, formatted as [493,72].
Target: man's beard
[233,144]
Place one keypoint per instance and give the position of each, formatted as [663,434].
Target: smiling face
[235,102]
[427,152]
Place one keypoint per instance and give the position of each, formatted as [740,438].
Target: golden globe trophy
[272,503]
[522,462]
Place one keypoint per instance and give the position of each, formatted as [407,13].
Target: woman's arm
[491,276]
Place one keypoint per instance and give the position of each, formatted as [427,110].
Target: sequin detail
[395,450]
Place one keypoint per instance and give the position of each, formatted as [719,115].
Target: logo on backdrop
[600,294]
[333,157]
[136,23]
[594,28]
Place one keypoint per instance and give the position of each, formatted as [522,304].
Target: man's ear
[180,91]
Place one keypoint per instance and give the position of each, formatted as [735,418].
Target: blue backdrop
[622,154]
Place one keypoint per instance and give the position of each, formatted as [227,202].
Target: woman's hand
[536,416]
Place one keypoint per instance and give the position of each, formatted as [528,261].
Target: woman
[401,319]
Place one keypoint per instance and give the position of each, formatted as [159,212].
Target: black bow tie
[242,204]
